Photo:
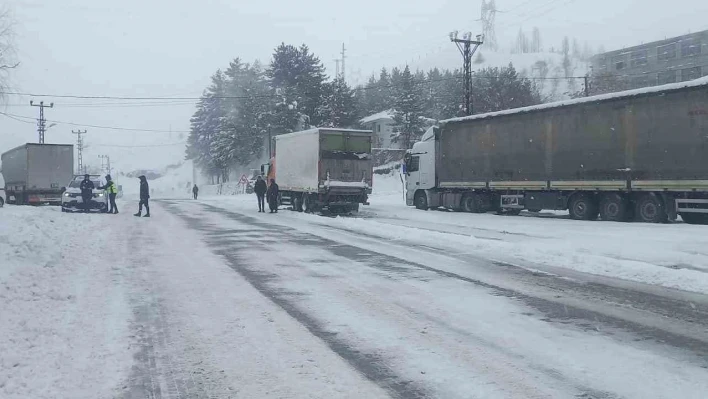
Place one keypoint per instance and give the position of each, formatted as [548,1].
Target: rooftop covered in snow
[388,114]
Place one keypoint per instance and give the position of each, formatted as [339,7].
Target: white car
[71,200]
[2,191]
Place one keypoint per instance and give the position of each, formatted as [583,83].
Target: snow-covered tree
[340,108]
[408,118]
[497,89]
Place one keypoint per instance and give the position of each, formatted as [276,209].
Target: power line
[13,116]
[140,146]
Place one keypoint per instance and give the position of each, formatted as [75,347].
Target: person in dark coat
[87,188]
[260,189]
[112,191]
[272,195]
[195,191]
[144,197]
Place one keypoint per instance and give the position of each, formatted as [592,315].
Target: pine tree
[408,119]
[340,105]
[497,89]
[298,78]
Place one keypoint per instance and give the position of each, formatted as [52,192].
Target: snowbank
[64,320]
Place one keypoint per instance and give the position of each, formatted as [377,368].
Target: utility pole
[80,147]
[344,74]
[108,163]
[587,85]
[465,47]
[336,61]
[41,122]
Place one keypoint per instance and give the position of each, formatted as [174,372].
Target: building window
[666,52]
[639,58]
[619,63]
[666,77]
[690,47]
[378,128]
[690,73]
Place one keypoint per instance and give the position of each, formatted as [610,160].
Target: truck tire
[695,218]
[2,202]
[473,203]
[421,201]
[614,208]
[583,207]
[651,209]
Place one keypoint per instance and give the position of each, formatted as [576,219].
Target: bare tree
[8,60]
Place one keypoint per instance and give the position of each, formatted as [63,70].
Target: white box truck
[320,169]
[37,173]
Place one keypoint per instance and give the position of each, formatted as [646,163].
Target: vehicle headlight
[98,195]
[66,194]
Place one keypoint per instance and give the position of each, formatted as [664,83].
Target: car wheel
[2,202]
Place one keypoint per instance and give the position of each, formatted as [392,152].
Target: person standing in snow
[272,195]
[195,191]
[112,191]
[144,197]
[87,188]
[260,189]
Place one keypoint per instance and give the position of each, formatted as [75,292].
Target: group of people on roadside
[270,192]
[87,186]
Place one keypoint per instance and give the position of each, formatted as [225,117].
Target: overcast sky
[160,48]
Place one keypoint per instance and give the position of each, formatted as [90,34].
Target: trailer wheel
[614,208]
[695,218]
[421,201]
[651,209]
[583,207]
[473,203]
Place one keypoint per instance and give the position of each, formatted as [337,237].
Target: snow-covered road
[209,299]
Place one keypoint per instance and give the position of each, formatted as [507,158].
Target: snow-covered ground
[64,314]
[672,255]
[210,299]
[102,306]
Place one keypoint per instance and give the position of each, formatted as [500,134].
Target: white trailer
[323,169]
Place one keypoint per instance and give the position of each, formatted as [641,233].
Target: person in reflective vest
[112,191]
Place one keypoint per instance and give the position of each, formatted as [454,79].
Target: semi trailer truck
[638,155]
[37,173]
[323,169]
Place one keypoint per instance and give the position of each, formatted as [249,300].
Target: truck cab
[420,171]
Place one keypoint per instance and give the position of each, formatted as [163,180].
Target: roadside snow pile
[63,318]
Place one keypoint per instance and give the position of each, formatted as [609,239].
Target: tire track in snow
[370,365]
[156,374]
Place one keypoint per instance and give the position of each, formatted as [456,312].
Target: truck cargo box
[317,159]
[35,171]
[653,138]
